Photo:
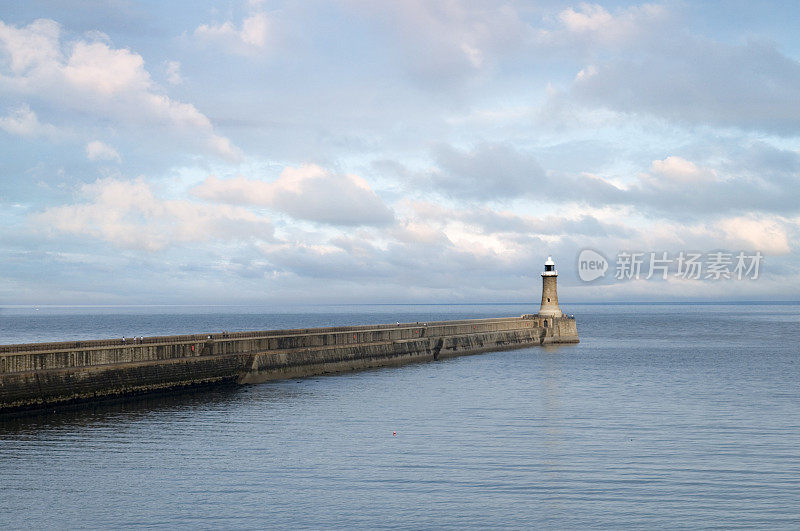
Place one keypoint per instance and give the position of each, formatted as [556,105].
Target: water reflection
[661,417]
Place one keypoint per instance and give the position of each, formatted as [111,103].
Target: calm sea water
[664,416]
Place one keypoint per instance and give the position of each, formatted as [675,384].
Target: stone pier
[46,374]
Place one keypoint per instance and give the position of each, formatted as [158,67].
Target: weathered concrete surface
[45,374]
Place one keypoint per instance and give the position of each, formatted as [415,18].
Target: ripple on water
[661,417]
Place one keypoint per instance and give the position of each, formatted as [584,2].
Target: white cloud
[442,42]
[93,77]
[172,69]
[253,35]
[308,192]
[128,214]
[421,232]
[96,150]
[770,234]
[255,30]
[675,170]
[501,188]
[590,17]
[595,25]
[97,68]
[758,233]
[22,121]
[31,47]
[675,186]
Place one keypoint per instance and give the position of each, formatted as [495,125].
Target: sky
[409,151]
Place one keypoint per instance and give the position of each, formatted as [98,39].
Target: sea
[664,416]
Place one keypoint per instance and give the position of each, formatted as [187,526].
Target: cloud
[591,25]
[499,171]
[760,233]
[488,221]
[22,121]
[749,87]
[475,189]
[444,42]
[94,78]
[591,18]
[96,150]
[756,179]
[308,192]
[776,167]
[430,250]
[676,186]
[487,171]
[253,35]
[97,68]
[172,69]
[673,186]
[677,171]
[405,261]
[128,214]
[644,61]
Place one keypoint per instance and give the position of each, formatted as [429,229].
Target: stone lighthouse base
[555,329]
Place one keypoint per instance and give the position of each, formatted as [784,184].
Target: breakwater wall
[44,374]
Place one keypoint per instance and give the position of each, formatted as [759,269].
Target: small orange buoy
[394,434]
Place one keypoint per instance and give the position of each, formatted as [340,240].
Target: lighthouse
[549,307]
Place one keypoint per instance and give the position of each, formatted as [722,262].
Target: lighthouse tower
[549,307]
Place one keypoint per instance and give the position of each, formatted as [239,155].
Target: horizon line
[235,305]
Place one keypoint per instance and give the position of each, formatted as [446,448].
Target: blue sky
[354,151]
